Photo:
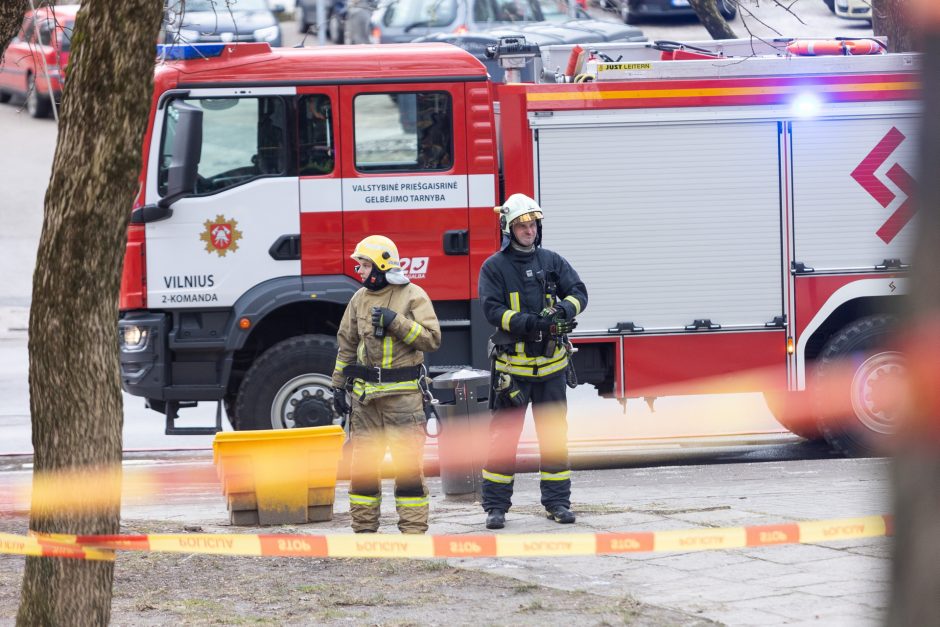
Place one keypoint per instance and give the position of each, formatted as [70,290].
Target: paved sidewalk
[838,583]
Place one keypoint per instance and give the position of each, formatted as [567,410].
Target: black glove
[544,325]
[563,326]
[340,403]
[555,326]
[382,317]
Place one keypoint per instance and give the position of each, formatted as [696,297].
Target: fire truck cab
[729,213]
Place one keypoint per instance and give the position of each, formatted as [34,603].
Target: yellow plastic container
[278,477]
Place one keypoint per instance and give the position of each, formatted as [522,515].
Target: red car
[33,66]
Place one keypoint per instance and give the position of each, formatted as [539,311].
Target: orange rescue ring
[830,47]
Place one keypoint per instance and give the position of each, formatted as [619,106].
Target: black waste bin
[463,410]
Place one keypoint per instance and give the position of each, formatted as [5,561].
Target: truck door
[321,197]
[220,242]
[404,173]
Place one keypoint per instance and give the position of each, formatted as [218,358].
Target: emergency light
[185,52]
[807,105]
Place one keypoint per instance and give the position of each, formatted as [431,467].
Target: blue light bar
[184,52]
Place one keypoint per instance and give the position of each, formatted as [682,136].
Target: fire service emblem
[221,236]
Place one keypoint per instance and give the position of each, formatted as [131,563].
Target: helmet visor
[528,217]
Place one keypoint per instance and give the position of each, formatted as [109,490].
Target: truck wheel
[789,408]
[4,96]
[289,386]
[36,105]
[877,374]
[228,403]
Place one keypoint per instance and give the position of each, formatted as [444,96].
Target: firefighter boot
[495,519]
[364,511]
[412,514]
[561,514]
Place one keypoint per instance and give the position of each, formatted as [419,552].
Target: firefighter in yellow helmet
[531,295]
[388,326]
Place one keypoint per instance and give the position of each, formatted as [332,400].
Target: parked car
[399,21]
[580,31]
[305,15]
[853,9]
[33,65]
[211,21]
[633,11]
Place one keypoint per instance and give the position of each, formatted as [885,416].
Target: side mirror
[187,151]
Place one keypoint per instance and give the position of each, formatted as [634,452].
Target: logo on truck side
[221,236]
[415,267]
[864,175]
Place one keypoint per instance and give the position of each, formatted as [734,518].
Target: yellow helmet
[380,250]
[517,208]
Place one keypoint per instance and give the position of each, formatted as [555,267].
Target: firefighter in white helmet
[531,295]
[387,327]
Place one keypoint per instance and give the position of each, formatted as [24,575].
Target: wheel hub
[304,401]
[878,391]
[313,411]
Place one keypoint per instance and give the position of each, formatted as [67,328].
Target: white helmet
[517,208]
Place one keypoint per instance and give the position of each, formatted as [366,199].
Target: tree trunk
[915,596]
[11,19]
[75,393]
[888,20]
[711,19]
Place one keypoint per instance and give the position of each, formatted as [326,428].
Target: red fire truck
[731,208]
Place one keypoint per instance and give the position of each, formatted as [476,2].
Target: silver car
[399,21]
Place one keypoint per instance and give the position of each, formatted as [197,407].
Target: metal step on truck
[733,207]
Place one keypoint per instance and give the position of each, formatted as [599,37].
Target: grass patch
[434,566]
[534,606]
[525,588]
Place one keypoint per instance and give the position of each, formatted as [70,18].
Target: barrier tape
[420,546]
[41,546]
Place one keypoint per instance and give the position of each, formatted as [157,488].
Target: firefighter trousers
[395,423]
[549,409]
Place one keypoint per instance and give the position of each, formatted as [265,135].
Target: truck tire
[869,428]
[289,386]
[37,105]
[5,96]
[786,408]
[728,9]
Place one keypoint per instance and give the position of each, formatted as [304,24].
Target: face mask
[375,280]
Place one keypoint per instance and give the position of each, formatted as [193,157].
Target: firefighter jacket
[413,332]
[514,288]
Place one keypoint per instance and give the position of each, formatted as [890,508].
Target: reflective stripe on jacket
[413,332]
[512,292]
